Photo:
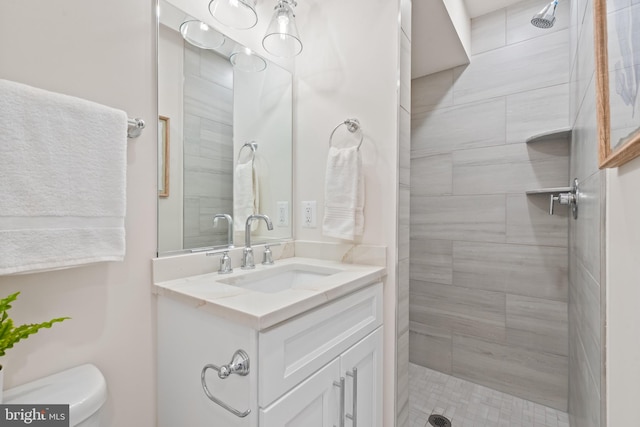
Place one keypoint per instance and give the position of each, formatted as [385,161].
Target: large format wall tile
[536,376]
[458,310]
[538,324]
[477,218]
[441,131]
[528,113]
[432,175]
[588,227]
[432,350]
[432,260]
[431,92]
[535,63]
[488,31]
[536,271]
[512,168]
[529,222]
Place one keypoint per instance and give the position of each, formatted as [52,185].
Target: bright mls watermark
[34,415]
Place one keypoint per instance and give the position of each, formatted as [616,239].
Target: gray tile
[404,224]
[405,147]
[519,15]
[208,100]
[475,125]
[488,31]
[432,351]
[584,66]
[191,59]
[458,310]
[402,317]
[586,317]
[536,111]
[512,168]
[470,405]
[538,324]
[431,92]
[402,397]
[590,223]
[405,73]
[432,175]
[529,222]
[584,393]
[584,140]
[432,260]
[476,218]
[536,271]
[539,62]
[215,68]
[535,376]
[405,17]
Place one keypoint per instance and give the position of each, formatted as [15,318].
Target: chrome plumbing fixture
[247,253]
[570,199]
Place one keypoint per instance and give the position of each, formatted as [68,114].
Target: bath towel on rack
[246,194]
[344,194]
[62,191]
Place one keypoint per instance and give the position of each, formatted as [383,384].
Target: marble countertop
[224,295]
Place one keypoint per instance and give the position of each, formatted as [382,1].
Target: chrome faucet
[229,227]
[247,253]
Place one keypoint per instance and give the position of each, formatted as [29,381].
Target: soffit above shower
[441,32]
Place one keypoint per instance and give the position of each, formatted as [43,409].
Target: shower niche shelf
[550,190]
[556,134]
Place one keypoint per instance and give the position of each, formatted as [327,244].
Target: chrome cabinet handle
[353,416]
[340,385]
[239,365]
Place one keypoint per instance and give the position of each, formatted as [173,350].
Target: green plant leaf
[10,334]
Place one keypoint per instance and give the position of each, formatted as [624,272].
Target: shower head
[546,17]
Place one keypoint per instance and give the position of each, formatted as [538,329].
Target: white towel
[246,195]
[62,182]
[344,194]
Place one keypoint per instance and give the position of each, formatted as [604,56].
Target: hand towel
[246,195]
[344,194]
[63,182]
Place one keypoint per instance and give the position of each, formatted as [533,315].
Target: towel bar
[353,125]
[135,127]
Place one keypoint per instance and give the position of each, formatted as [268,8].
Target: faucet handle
[225,264]
[267,257]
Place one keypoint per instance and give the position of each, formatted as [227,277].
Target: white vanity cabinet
[305,371]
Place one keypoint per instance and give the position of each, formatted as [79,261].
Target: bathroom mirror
[231,136]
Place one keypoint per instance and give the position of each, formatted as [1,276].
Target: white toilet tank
[83,388]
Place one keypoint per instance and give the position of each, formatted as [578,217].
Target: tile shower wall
[208,145]
[586,253]
[404,157]
[489,279]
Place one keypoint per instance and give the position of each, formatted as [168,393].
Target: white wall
[106,55]
[623,294]
[349,68]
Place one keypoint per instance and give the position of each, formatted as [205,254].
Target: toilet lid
[83,388]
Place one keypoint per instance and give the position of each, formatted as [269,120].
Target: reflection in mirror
[230,151]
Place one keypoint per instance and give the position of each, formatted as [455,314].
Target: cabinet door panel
[366,357]
[314,403]
[293,351]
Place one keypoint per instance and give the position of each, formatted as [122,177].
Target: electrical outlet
[283,214]
[309,214]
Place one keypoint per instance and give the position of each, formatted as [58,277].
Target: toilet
[83,388]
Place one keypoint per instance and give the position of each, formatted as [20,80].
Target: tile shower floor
[471,405]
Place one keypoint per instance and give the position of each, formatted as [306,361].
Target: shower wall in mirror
[231,147]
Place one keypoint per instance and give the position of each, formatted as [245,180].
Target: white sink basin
[279,278]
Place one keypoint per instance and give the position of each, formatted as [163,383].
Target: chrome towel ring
[353,125]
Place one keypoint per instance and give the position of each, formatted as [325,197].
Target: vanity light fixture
[546,17]
[282,38]
[246,60]
[201,35]
[238,14]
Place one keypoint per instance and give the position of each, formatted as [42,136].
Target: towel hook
[353,125]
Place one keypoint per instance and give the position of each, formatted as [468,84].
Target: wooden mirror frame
[629,149]
[163,153]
